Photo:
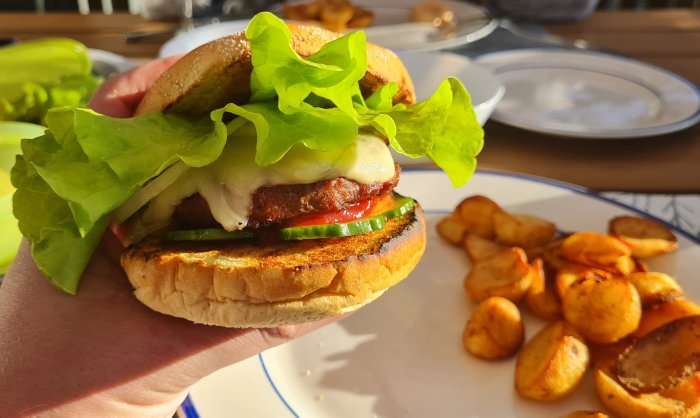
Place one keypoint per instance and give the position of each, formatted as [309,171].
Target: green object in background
[36,76]
[11,133]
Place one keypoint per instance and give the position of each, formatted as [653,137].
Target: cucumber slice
[347,229]
[206,235]
[402,206]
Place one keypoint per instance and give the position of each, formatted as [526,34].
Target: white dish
[392,28]
[587,94]
[109,61]
[402,355]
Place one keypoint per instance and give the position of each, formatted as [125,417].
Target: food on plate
[662,359]
[476,214]
[541,297]
[335,15]
[585,414]
[524,231]
[452,230]
[506,274]
[479,248]
[570,273]
[602,309]
[552,363]
[255,186]
[645,237]
[655,287]
[32,82]
[598,250]
[682,401]
[494,330]
[662,313]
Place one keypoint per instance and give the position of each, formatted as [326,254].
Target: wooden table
[667,38]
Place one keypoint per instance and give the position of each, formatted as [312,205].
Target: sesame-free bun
[245,284]
[218,73]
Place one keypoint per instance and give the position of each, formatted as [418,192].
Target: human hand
[101,352]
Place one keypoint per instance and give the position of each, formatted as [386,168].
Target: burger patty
[275,204]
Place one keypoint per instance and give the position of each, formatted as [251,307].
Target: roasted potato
[600,251]
[655,287]
[452,229]
[571,273]
[541,297]
[506,274]
[645,237]
[478,248]
[662,359]
[680,402]
[476,213]
[662,313]
[524,231]
[603,309]
[552,363]
[494,330]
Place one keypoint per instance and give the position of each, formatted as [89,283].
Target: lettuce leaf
[86,165]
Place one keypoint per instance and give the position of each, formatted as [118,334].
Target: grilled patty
[275,204]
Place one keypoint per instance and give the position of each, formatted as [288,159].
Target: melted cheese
[228,184]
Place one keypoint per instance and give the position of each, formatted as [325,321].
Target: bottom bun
[244,284]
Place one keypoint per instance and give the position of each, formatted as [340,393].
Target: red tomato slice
[364,209]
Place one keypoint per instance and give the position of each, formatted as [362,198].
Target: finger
[119,96]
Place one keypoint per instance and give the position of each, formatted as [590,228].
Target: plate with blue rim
[402,355]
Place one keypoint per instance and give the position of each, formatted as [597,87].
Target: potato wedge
[585,414]
[680,402]
[552,363]
[524,231]
[655,287]
[452,229]
[663,313]
[645,238]
[506,274]
[603,309]
[541,297]
[571,273]
[600,251]
[479,248]
[476,212]
[494,330]
[662,359]
[605,355]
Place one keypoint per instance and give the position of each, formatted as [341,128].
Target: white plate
[590,95]
[402,355]
[109,61]
[392,28]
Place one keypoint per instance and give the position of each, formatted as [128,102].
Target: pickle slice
[211,234]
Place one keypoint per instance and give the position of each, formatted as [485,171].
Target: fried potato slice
[479,248]
[680,402]
[301,11]
[476,212]
[552,363]
[662,359]
[506,274]
[361,18]
[452,229]
[570,273]
[663,313]
[541,297]
[603,309]
[524,231]
[645,237]
[586,414]
[495,329]
[655,287]
[600,251]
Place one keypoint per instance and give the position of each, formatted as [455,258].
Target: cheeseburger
[254,187]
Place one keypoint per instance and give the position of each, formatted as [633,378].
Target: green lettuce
[43,74]
[87,165]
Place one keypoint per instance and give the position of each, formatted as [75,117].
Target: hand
[101,352]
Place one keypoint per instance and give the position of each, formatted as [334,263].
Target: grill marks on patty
[275,204]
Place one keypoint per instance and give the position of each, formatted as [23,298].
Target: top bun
[218,73]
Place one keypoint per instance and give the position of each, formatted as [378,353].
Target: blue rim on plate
[188,408]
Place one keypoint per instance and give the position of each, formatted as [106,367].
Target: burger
[254,187]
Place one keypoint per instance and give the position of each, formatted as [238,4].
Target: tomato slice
[362,209]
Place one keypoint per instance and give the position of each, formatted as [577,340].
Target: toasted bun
[218,73]
[241,284]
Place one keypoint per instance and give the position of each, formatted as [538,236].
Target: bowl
[11,134]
